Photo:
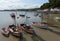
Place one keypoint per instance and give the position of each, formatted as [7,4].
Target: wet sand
[48,35]
[44,34]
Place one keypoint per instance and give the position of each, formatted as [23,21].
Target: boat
[16,34]
[15,31]
[42,25]
[5,32]
[27,28]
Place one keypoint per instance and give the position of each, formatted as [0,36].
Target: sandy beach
[44,34]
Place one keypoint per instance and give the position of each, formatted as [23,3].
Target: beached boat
[27,28]
[11,29]
[15,31]
[5,32]
[42,25]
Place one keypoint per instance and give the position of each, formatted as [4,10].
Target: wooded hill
[51,4]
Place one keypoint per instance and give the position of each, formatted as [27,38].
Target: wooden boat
[13,31]
[42,25]
[5,32]
[16,34]
[28,29]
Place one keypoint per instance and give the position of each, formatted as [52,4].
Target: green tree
[54,3]
[45,6]
[51,4]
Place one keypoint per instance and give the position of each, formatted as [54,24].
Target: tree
[51,4]
[54,3]
[45,6]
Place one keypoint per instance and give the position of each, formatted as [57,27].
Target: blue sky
[19,4]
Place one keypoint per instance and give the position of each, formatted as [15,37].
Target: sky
[21,4]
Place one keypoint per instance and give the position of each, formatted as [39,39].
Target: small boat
[30,31]
[12,31]
[16,34]
[15,31]
[5,32]
[27,28]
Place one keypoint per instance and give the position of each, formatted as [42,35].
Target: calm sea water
[6,20]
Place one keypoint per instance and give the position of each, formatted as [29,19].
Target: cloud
[11,4]
[16,4]
[32,6]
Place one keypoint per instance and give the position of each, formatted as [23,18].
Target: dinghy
[16,31]
[5,32]
[27,28]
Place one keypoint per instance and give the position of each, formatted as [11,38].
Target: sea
[6,19]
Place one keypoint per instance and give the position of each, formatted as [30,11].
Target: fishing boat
[27,28]
[42,25]
[5,32]
[15,31]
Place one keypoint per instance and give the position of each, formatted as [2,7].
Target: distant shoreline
[33,9]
